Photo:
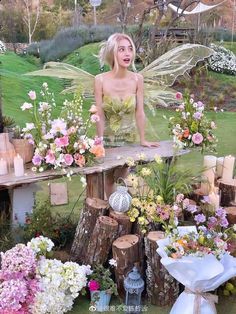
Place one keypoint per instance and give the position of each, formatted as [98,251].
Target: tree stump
[231,214]
[94,207]
[162,289]
[125,251]
[227,192]
[101,240]
[124,223]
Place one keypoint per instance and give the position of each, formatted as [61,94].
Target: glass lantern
[134,286]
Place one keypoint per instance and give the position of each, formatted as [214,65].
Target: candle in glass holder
[228,168]
[3,167]
[209,164]
[18,166]
[219,167]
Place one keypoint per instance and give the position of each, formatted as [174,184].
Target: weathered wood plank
[115,157]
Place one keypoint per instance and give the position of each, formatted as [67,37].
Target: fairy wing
[162,73]
[62,70]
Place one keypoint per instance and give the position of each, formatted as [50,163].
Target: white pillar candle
[214,199]
[18,166]
[219,167]
[3,167]
[209,165]
[228,168]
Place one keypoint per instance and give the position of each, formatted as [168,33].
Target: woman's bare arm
[98,98]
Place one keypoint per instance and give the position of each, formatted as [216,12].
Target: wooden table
[23,188]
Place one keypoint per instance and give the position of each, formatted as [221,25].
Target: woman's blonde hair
[108,51]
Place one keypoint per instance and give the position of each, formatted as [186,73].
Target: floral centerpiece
[30,283]
[190,127]
[61,142]
[101,286]
[198,257]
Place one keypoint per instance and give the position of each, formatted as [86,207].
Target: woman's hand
[149,144]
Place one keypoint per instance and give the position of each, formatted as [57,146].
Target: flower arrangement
[2,47]
[223,60]
[190,127]
[61,142]
[31,283]
[100,280]
[157,194]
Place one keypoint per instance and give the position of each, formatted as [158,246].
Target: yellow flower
[142,156]
[145,172]
[130,161]
[159,199]
[132,180]
[136,202]
[151,209]
[135,212]
[158,159]
[132,219]
[142,221]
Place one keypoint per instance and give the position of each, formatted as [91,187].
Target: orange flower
[79,160]
[98,150]
[186,133]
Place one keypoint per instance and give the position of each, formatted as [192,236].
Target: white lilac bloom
[58,126]
[26,106]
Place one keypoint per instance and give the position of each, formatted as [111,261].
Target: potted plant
[101,287]
[22,146]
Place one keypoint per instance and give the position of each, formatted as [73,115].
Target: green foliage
[8,122]
[103,276]
[41,222]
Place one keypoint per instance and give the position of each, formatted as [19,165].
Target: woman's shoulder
[101,76]
[136,76]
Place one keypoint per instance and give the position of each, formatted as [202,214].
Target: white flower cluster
[223,60]
[2,47]
[41,245]
[60,284]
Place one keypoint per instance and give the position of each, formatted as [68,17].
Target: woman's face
[125,53]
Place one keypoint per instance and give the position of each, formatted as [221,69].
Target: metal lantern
[120,200]
[134,286]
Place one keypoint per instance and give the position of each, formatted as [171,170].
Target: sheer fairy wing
[163,72]
[62,70]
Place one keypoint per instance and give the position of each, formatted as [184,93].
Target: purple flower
[191,208]
[212,222]
[197,115]
[197,138]
[200,218]
[37,160]
[224,223]
[221,213]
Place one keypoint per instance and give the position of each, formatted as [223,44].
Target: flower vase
[24,149]
[7,151]
[100,300]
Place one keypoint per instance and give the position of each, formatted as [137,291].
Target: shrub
[223,60]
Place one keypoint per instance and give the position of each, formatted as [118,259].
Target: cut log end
[126,241]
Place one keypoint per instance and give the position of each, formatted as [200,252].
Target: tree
[31,16]
[125,6]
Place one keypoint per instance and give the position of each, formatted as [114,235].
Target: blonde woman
[119,100]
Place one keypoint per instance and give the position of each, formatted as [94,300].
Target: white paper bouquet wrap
[199,275]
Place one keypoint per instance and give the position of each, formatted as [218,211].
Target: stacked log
[227,192]
[124,223]
[162,288]
[93,208]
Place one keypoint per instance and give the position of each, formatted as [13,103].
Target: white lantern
[120,200]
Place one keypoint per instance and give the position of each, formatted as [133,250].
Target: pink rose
[32,95]
[93,285]
[93,109]
[62,141]
[68,159]
[50,157]
[178,96]
[197,138]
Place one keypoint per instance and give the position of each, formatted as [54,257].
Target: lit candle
[18,166]
[3,167]
[219,167]
[209,164]
[228,168]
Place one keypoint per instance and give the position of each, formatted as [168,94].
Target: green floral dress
[120,127]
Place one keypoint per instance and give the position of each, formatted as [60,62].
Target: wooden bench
[22,189]
[180,35]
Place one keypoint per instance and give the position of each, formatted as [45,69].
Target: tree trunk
[124,223]
[101,240]
[162,289]
[94,208]
[125,251]
[227,192]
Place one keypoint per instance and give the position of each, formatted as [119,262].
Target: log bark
[93,208]
[162,289]
[124,223]
[101,240]
[95,185]
[125,251]
[231,214]
[227,192]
